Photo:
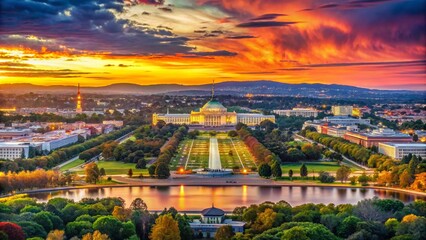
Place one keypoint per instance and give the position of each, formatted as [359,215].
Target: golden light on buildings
[12,109]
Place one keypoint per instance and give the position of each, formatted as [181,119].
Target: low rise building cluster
[22,139]
[389,142]
[302,112]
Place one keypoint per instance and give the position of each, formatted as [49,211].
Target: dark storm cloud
[15,64]
[83,25]
[264,24]
[240,37]
[269,16]
[221,53]
[217,32]
[152,2]
[124,65]
[257,72]
[331,5]
[32,72]
[384,64]
[166,9]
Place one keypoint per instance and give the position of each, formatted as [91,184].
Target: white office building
[14,150]
[399,150]
[346,121]
[303,112]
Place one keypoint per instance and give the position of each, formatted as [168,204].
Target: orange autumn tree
[419,183]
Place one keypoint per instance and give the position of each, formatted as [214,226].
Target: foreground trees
[165,228]
[92,173]
[101,219]
[32,179]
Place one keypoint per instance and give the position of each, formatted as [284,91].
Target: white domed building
[212,114]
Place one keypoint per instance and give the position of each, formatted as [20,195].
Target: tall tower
[213,90]
[78,108]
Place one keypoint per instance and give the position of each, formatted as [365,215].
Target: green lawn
[197,156]
[72,164]
[312,166]
[295,143]
[115,168]
[132,138]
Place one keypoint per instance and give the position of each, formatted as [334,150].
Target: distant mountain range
[263,87]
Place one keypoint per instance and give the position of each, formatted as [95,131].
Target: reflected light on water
[181,197]
[244,195]
[196,198]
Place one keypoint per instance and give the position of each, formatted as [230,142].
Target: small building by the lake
[211,220]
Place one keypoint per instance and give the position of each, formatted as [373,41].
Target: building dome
[213,106]
[212,212]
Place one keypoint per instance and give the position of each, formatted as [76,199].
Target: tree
[265,170]
[392,225]
[77,228]
[290,174]
[12,230]
[276,169]
[325,177]
[55,235]
[295,233]
[130,173]
[363,179]
[415,137]
[348,226]
[138,204]
[102,172]
[250,215]
[108,149]
[110,226]
[165,228]
[121,213]
[343,173]
[224,233]
[141,164]
[92,173]
[264,220]
[232,133]
[96,235]
[151,170]
[162,171]
[303,170]
[43,219]
[32,229]
[405,179]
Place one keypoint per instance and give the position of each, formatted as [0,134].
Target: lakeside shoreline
[214,184]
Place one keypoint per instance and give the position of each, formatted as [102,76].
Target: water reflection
[244,195]
[185,198]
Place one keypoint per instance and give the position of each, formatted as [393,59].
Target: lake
[195,198]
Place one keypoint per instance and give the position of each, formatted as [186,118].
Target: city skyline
[372,44]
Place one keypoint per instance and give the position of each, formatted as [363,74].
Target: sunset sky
[366,43]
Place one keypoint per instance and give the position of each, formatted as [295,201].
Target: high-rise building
[78,109]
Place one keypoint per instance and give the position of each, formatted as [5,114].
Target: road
[297,136]
[214,155]
[120,140]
